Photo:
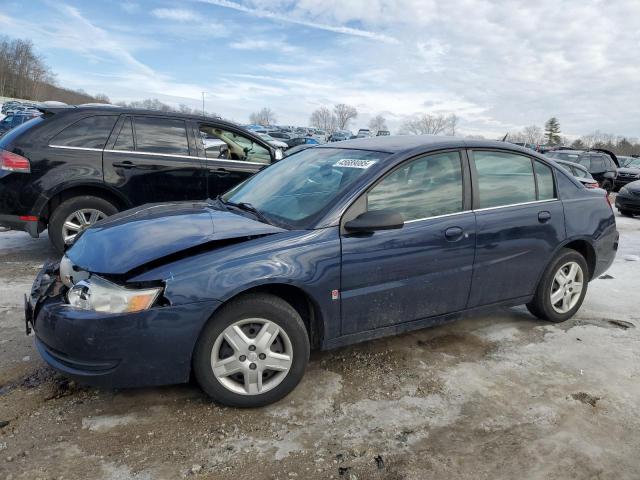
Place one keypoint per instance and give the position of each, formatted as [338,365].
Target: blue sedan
[330,246]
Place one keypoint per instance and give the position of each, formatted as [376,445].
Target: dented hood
[150,233]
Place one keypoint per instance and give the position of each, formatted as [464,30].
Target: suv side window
[125,137]
[597,164]
[504,178]
[90,132]
[218,143]
[161,135]
[421,188]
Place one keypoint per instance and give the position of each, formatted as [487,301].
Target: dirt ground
[494,396]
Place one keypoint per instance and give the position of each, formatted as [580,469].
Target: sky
[498,65]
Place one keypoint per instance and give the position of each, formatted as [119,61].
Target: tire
[74,205]
[541,305]
[607,185]
[626,213]
[236,383]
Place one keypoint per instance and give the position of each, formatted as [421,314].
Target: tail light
[13,162]
[592,185]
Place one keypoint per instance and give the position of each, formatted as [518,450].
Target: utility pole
[203,103]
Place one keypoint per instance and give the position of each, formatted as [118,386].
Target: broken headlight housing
[100,295]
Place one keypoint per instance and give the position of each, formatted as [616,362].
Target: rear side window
[161,135]
[422,188]
[544,178]
[90,132]
[504,179]
[598,164]
[125,137]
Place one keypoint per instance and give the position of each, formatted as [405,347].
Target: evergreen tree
[552,131]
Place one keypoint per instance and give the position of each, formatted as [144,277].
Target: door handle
[125,164]
[544,216]
[453,234]
[221,172]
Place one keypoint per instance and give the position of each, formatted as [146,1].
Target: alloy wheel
[566,287]
[251,356]
[78,221]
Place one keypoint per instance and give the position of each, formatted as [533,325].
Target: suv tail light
[13,162]
[592,185]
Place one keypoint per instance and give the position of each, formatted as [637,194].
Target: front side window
[296,191]
[161,135]
[218,143]
[422,188]
[504,178]
[90,132]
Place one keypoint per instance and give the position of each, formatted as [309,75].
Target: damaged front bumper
[151,347]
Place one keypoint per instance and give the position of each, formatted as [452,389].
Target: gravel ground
[496,396]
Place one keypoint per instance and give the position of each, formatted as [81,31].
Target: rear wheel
[562,288]
[75,215]
[253,352]
[607,185]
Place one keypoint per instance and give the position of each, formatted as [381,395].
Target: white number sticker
[354,163]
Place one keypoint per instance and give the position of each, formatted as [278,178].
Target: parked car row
[335,244]
[16,106]
[601,164]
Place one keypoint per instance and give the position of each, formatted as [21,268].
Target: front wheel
[562,288]
[253,352]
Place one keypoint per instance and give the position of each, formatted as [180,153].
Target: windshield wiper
[247,207]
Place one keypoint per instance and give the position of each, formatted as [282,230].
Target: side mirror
[278,155]
[375,220]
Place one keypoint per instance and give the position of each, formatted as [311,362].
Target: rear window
[14,133]
[90,132]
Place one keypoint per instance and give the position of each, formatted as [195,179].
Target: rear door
[520,222]
[422,269]
[229,156]
[153,159]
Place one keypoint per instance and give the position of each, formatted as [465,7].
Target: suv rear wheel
[562,288]
[253,352]
[74,215]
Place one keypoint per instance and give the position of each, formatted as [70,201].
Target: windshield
[297,190]
[633,163]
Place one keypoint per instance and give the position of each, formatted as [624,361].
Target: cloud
[177,14]
[268,14]
[268,44]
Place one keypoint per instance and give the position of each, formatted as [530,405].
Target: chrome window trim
[482,210]
[190,157]
[439,216]
[77,148]
[516,204]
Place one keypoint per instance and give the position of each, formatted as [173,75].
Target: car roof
[407,143]
[107,108]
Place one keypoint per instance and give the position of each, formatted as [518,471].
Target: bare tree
[265,117]
[323,119]
[344,114]
[533,135]
[426,125]
[377,123]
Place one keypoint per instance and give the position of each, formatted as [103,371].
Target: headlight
[624,191]
[100,295]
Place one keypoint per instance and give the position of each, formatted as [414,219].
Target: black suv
[73,166]
[603,165]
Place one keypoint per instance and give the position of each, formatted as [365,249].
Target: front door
[422,269]
[520,221]
[229,157]
[151,159]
